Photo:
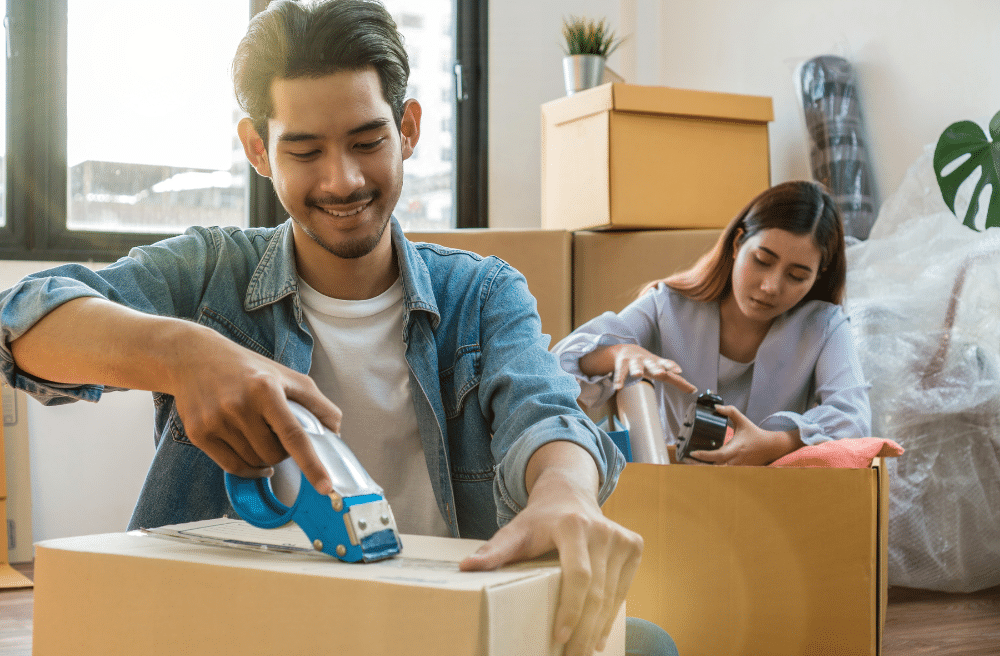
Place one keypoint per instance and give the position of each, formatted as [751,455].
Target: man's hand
[233,403]
[231,400]
[599,558]
[750,445]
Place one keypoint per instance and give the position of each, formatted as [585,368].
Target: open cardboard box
[759,560]
[129,593]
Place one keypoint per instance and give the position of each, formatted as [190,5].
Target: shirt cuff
[810,433]
[509,488]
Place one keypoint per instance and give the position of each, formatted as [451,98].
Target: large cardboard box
[626,156]
[759,560]
[544,257]
[123,594]
[609,268]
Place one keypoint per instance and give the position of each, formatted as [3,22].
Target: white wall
[525,70]
[920,65]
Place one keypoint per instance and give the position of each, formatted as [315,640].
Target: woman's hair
[801,208]
[290,40]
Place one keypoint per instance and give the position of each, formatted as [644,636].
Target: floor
[918,622]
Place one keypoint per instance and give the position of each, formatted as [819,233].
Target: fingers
[297,442]
[599,560]
[638,363]
[232,462]
[675,379]
[716,457]
[507,545]
[625,559]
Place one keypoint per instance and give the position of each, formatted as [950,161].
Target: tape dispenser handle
[254,501]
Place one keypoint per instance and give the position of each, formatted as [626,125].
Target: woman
[757,320]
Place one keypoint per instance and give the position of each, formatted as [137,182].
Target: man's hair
[292,39]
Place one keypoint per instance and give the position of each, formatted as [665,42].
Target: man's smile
[345,213]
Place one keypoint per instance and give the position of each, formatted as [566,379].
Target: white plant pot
[582,72]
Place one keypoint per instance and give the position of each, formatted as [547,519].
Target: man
[430,362]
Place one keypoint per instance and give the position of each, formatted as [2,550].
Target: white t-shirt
[358,363]
[734,382]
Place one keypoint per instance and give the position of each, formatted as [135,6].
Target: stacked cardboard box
[542,256]
[669,167]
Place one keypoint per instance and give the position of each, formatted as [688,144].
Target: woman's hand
[632,361]
[750,444]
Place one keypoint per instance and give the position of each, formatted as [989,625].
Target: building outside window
[147,144]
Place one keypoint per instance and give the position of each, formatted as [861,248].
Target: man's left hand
[599,558]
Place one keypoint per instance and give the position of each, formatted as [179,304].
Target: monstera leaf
[967,138]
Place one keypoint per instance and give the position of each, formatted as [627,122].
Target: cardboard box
[759,560]
[609,268]
[118,594]
[543,256]
[9,577]
[625,156]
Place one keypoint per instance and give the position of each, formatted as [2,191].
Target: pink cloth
[852,453]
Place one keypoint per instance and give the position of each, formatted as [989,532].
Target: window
[119,133]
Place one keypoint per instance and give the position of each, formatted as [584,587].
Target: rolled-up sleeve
[533,401]
[150,279]
[636,324]
[843,409]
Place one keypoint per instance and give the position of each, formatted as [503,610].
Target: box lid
[659,100]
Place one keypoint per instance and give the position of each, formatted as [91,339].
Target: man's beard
[353,249]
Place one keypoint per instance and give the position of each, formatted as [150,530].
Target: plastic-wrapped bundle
[838,154]
[923,303]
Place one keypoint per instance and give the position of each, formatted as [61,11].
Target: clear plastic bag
[838,153]
[924,300]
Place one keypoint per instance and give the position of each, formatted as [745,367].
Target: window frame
[35,194]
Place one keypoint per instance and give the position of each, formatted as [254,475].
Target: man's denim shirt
[487,391]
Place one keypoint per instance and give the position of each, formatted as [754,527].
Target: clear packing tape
[924,299]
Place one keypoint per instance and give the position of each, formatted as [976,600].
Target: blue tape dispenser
[354,523]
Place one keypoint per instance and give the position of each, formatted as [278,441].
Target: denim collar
[275,276]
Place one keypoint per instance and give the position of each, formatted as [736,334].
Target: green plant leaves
[967,138]
[588,37]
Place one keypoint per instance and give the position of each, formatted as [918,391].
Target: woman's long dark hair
[801,208]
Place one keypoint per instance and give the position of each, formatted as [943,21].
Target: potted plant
[588,45]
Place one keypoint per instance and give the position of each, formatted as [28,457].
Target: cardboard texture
[542,256]
[117,594]
[759,560]
[624,156]
[609,268]
[9,577]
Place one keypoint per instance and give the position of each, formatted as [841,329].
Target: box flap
[659,100]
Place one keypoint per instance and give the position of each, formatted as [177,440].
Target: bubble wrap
[924,300]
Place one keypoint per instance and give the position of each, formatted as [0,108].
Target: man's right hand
[232,401]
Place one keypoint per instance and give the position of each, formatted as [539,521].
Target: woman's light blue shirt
[806,375]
